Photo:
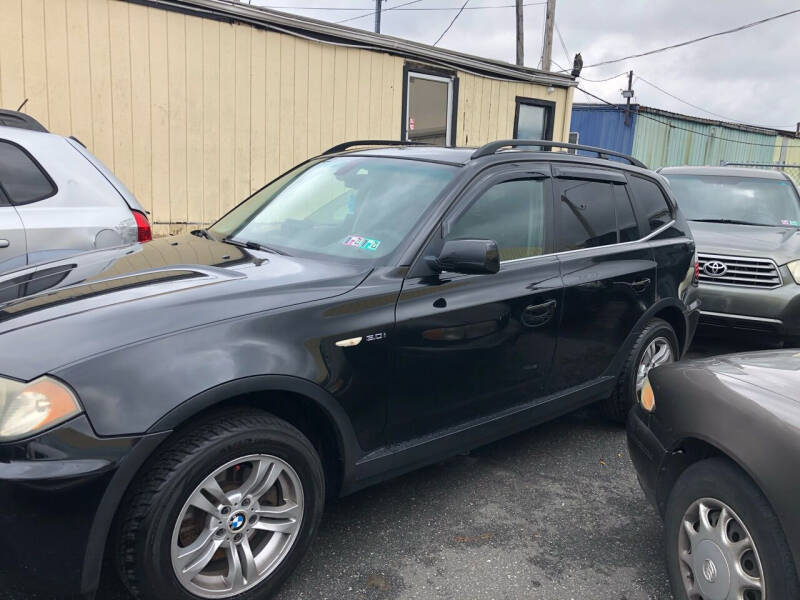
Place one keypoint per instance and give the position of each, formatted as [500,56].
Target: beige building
[195,104]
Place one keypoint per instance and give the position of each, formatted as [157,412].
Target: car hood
[777,371]
[781,244]
[59,312]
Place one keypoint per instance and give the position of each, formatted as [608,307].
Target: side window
[511,213]
[586,214]
[651,205]
[23,181]
[626,221]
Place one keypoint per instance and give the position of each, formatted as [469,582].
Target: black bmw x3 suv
[183,408]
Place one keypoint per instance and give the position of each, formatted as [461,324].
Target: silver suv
[56,199]
[746,224]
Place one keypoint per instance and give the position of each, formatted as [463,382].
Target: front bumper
[59,492]
[647,453]
[774,311]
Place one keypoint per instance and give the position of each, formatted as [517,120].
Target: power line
[695,40]
[563,45]
[458,14]
[700,108]
[434,8]
[602,80]
[673,126]
[369,14]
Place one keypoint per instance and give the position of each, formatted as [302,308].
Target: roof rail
[345,145]
[493,147]
[13,118]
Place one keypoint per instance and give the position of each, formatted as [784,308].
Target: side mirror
[466,256]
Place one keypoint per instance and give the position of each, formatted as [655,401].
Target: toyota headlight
[794,269]
[30,408]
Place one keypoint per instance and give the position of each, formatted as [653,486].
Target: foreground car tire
[723,539]
[226,510]
[656,345]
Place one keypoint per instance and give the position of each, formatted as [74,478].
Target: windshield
[745,200]
[354,207]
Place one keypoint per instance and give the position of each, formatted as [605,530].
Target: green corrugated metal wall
[663,141]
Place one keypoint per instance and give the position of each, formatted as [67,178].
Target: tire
[718,480]
[251,448]
[617,406]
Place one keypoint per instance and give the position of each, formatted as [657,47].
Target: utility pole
[520,35]
[549,21]
[628,94]
[378,15]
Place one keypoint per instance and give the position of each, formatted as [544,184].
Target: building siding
[604,127]
[194,114]
[662,141]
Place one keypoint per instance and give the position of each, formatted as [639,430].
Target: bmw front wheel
[227,510]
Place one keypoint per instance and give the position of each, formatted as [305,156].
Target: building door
[429,108]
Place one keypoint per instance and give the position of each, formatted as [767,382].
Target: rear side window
[22,179]
[586,214]
[511,213]
[626,221]
[650,203]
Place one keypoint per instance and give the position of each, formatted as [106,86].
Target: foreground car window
[351,206]
[745,200]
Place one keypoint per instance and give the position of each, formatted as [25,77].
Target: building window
[429,107]
[534,119]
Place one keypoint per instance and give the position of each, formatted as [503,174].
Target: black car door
[609,275]
[468,346]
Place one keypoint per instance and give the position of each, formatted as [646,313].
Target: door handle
[536,315]
[4,243]
[641,285]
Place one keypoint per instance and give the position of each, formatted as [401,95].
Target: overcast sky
[751,76]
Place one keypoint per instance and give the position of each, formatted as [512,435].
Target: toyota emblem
[715,268]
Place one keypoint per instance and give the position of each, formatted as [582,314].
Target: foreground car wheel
[723,540]
[656,345]
[227,510]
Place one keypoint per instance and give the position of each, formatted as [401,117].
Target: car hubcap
[237,526]
[718,559]
[658,352]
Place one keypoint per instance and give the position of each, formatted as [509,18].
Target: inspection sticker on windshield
[356,241]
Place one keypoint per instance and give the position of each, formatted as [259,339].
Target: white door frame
[449,82]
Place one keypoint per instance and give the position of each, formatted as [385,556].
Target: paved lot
[552,513]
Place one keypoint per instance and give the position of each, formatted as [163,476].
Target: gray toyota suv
[746,223]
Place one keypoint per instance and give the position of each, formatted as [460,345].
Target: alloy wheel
[658,352]
[718,558]
[237,526]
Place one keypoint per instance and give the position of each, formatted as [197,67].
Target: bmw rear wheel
[226,510]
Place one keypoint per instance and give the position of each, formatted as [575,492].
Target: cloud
[750,76]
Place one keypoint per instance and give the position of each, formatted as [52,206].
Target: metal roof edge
[322,31]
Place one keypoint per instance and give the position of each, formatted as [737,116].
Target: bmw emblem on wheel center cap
[236,522]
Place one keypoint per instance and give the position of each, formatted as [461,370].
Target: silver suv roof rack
[494,147]
[13,118]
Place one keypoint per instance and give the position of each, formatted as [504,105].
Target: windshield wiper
[253,246]
[730,221]
[202,233]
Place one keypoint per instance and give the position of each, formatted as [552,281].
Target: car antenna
[24,102]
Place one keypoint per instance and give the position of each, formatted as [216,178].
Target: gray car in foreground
[57,199]
[746,224]
[716,444]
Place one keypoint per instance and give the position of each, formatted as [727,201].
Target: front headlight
[30,408]
[647,399]
[794,269]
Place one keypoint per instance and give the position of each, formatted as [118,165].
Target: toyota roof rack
[494,147]
[345,145]
[13,118]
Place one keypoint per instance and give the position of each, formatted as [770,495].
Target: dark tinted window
[22,180]
[650,203]
[586,214]
[626,221]
[510,213]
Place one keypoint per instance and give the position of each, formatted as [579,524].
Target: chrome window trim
[740,317]
[646,238]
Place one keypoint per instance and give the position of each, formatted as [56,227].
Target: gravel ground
[551,513]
